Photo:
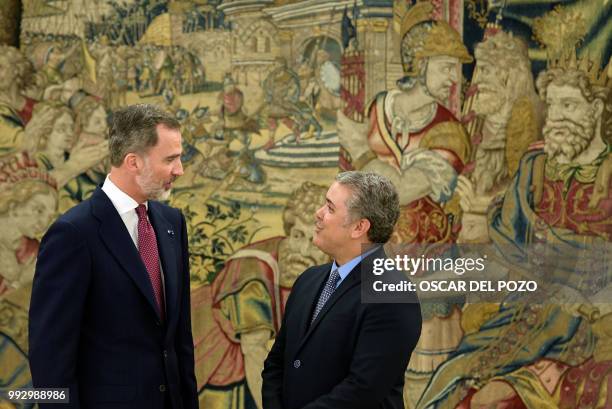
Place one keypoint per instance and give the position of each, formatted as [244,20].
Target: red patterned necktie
[147,247]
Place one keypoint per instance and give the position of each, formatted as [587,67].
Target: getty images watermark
[486,273]
[459,266]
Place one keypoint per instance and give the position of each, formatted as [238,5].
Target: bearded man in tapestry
[532,353]
[503,118]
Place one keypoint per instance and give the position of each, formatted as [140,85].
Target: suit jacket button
[162,388]
[297,363]
[165,354]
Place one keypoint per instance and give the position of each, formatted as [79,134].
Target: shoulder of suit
[78,214]
[172,213]
[313,272]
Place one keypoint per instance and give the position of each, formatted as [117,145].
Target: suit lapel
[352,280]
[116,237]
[311,297]
[164,231]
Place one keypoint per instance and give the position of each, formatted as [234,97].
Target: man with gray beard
[568,134]
[506,121]
[110,315]
[248,301]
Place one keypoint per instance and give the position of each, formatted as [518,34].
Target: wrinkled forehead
[564,91]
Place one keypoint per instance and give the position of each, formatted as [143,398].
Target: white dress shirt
[126,207]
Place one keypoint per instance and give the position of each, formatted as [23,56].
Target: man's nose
[553,112]
[319,213]
[178,169]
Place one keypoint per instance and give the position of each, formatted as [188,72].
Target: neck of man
[127,184]
[351,250]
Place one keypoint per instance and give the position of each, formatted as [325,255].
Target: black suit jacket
[353,356]
[94,326]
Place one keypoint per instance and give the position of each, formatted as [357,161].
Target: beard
[566,138]
[488,100]
[292,263]
[152,188]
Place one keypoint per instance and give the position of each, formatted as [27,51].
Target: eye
[569,105]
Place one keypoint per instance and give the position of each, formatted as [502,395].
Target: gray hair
[510,54]
[133,129]
[374,198]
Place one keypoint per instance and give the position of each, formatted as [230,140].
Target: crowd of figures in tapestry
[493,119]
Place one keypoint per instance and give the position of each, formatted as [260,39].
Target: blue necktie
[328,290]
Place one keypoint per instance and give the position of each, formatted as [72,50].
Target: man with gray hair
[332,350]
[110,311]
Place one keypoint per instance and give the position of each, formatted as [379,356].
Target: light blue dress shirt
[346,268]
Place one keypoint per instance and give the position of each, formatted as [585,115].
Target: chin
[165,195]
[160,195]
[317,243]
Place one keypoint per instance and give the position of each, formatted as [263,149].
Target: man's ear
[361,229]
[133,162]
[598,107]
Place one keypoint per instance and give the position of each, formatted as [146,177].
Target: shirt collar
[122,201]
[346,268]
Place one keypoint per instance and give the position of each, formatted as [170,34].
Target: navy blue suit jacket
[94,326]
[353,356]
